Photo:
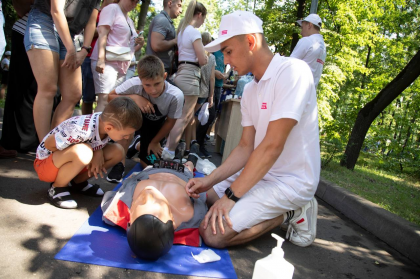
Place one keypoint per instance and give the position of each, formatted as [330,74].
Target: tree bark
[372,109]
[143,14]
[299,15]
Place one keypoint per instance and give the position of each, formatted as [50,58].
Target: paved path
[33,231]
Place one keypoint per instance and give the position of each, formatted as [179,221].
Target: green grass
[395,192]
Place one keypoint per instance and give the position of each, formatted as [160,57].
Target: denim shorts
[41,34]
[88,86]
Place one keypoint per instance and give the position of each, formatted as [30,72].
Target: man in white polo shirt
[272,175]
[311,47]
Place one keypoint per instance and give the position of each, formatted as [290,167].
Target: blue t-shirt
[220,66]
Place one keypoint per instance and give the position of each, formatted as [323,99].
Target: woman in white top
[116,29]
[191,56]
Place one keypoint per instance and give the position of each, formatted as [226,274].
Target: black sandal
[60,197]
[93,190]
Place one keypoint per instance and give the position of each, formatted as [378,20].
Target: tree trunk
[299,15]
[372,109]
[143,14]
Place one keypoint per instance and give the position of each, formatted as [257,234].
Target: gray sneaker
[302,228]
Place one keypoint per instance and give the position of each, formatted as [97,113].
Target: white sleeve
[301,48]
[129,87]
[245,111]
[293,88]
[194,35]
[69,133]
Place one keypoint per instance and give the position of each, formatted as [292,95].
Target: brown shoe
[4,153]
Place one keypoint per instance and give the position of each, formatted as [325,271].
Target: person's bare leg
[231,237]
[3,91]
[45,66]
[87,108]
[113,153]
[102,102]
[70,162]
[180,124]
[70,83]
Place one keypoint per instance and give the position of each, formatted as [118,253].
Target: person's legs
[105,83]
[117,172]
[70,83]
[265,205]
[45,66]
[113,153]
[179,127]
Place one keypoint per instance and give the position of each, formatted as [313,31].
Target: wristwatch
[229,193]
[88,48]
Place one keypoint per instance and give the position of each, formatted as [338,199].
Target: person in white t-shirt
[272,175]
[115,29]
[191,56]
[311,47]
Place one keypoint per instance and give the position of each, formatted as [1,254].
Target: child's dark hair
[122,112]
[150,67]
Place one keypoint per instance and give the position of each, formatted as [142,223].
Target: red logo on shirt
[224,32]
[264,106]
[320,61]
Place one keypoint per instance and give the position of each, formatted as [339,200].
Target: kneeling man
[271,177]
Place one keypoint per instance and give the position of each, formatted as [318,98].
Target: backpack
[78,13]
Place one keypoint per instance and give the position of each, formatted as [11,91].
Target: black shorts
[4,77]
[147,132]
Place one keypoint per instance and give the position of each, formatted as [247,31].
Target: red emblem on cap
[224,32]
[264,106]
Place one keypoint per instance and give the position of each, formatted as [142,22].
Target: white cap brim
[299,22]
[215,45]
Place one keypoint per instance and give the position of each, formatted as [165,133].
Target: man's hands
[195,186]
[219,209]
[96,166]
[220,75]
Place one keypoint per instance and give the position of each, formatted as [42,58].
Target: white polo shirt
[286,91]
[312,50]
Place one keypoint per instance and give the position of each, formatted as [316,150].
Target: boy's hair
[150,67]
[206,38]
[122,112]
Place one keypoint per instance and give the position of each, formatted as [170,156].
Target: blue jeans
[88,86]
[41,34]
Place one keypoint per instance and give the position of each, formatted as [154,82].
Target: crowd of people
[271,175]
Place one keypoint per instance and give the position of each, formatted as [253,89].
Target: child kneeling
[80,147]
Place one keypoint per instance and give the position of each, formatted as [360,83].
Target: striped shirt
[20,25]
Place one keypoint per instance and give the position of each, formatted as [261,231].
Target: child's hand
[155,148]
[96,166]
[144,104]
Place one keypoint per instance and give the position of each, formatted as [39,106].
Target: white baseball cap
[312,18]
[236,23]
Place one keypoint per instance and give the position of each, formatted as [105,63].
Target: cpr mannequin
[154,208]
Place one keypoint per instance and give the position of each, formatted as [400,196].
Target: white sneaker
[167,156]
[302,228]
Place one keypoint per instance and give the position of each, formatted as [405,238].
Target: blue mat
[100,244]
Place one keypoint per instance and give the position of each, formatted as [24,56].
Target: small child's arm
[154,145]
[50,143]
[96,166]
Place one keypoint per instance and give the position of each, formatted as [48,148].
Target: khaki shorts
[262,202]
[188,79]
